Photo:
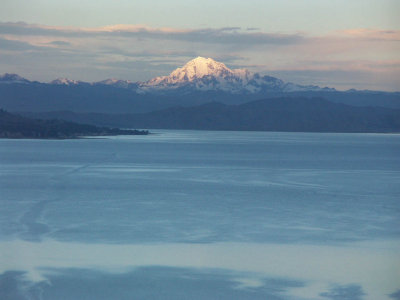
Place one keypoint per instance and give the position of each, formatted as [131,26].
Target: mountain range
[199,81]
[206,74]
[201,84]
[199,74]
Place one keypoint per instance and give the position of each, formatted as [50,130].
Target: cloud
[342,79]
[230,28]
[149,54]
[373,34]
[230,35]
[225,35]
[118,50]
[60,43]
[344,65]
[12,45]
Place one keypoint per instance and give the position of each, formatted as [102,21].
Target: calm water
[201,215]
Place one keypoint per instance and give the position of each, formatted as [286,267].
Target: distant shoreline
[13,126]
[79,137]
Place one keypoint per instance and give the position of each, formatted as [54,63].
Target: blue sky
[335,43]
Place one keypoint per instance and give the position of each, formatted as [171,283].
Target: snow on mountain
[199,74]
[12,78]
[202,74]
[292,87]
[110,82]
[206,74]
[117,83]
[65,81]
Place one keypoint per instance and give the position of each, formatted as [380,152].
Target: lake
[201,215]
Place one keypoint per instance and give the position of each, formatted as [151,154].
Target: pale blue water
[195,188]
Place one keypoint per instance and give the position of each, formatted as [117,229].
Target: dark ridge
[15,126]
[279,114]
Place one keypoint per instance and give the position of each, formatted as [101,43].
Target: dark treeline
[15,126]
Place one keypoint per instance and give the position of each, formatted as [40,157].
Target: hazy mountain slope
[81,98]
[281,114]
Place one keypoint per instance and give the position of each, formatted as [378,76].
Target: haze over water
[201,215]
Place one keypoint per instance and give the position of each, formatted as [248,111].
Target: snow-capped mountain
[117,83]
[65,81]
[200,81]
[206,74]
[12,78]
[199,74]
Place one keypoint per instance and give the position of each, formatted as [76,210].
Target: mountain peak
[117,83]
[203,73]
[12,78]
[201,59]
[64,81]
[198,68]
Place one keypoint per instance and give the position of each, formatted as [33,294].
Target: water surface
[218,215]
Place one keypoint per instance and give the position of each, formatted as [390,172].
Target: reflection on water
[245,265]
[257,215]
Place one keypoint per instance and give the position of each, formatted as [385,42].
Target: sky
[335,43]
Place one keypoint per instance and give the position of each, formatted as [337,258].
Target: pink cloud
[376,34]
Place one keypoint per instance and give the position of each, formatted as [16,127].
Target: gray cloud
[230,28]
[225,35]
[11,45]
[148,54]
[230,58]
[21,28]
[341,78]
[60,43]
